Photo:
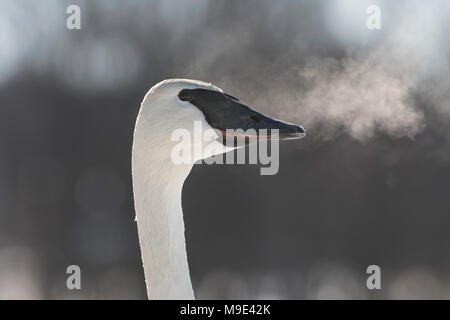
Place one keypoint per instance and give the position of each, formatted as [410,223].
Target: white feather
[157,186]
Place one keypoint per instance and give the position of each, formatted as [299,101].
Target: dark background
[368,185]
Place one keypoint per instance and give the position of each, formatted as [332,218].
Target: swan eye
[183,95]
[255,118]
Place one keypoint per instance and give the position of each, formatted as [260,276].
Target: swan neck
[157,184]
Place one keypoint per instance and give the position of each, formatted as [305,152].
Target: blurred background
[368,185]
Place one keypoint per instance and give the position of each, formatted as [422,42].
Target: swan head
[180,105]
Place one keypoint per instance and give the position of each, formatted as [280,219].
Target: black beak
[223,112]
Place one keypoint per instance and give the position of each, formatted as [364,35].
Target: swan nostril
[255,118]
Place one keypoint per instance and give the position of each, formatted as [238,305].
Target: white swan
[158,182]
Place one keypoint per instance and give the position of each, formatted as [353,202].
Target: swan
[158,182]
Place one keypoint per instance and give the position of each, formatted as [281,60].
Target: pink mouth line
[224,133]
